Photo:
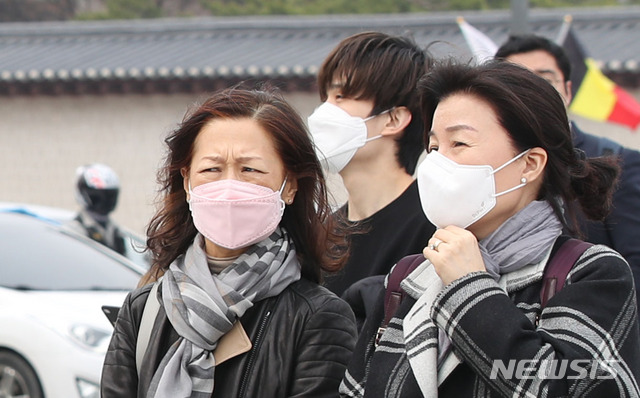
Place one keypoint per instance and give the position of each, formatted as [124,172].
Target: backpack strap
[394,294]
[557,269]
[149,313]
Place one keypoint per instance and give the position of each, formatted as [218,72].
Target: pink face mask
[235,214]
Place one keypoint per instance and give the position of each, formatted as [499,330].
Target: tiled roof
[281,46]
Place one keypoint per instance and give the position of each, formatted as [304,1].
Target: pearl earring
[523,180]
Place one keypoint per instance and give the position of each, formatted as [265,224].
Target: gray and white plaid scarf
[522,240]
[203,307]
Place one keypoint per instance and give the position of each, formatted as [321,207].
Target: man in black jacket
[621,229]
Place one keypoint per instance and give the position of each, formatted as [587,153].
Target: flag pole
[564,29]
[519,17]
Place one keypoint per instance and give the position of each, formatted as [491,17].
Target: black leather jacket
[302,341]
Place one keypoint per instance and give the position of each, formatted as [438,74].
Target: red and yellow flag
[595,96]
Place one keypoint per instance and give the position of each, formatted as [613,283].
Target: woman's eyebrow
[459,127]
[453,129]
[218,158]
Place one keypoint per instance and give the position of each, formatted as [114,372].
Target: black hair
[526,43]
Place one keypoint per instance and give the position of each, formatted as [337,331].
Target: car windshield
[39,255]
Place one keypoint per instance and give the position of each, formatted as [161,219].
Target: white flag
[482,47]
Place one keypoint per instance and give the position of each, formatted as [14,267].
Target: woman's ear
[290,189]
[535,163]
[184,172]
[400,117]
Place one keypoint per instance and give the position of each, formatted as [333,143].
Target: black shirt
[397,230]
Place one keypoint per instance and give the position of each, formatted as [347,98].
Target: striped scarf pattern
[203,307]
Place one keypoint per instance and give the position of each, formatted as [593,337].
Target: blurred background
[84,81]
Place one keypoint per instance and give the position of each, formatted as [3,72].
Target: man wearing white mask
[369,130]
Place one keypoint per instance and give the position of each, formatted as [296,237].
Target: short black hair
[385,69]
[519,44]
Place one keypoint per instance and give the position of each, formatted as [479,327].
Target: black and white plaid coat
[590,328]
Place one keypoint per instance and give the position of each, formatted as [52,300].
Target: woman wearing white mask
[485,310]
[238,245]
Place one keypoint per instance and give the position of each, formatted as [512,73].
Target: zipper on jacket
[254,351]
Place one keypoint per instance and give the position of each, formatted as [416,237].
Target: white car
[134,243]
[53,284]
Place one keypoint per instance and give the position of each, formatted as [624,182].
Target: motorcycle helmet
[97,188]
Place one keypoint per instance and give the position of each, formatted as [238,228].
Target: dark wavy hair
[318,239]
[533,114]
[384,69]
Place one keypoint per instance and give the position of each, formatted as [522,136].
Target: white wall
[44,139]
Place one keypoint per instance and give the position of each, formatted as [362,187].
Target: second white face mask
[457,194]
[337,135]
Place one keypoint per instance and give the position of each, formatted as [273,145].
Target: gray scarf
[203,307]
[521,240]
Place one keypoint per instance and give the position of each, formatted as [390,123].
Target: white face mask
[337,135]
[458,194]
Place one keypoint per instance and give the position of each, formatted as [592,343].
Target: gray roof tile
[281,46]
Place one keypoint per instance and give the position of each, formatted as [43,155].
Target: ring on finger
[434,246]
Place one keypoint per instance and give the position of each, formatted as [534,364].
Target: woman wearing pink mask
[238,244]
[501,303]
